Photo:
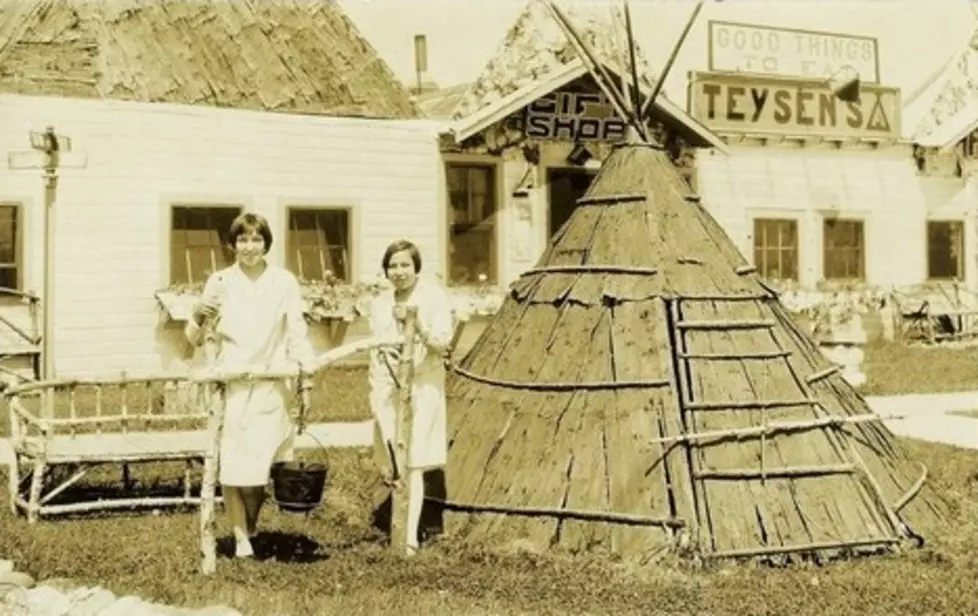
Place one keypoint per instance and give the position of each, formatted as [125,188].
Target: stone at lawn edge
[6,566]
[128,606]
[63,584]
[44,600]
[218,610]
[90,601]
[169,610]
[17,578]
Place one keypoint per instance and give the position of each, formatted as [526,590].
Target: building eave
[464,128]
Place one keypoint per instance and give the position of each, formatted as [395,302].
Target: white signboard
[789,52]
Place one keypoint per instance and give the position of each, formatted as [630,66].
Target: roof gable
[297,57]
[944,105]
[535,46]
[536,57]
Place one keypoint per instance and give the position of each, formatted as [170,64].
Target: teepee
[642,390]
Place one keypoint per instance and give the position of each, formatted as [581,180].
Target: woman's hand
[206,309]
[391,355]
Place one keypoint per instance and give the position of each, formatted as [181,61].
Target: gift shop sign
[770,105]
[744,48]
[574,116]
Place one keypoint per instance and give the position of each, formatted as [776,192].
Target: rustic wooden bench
[85,424]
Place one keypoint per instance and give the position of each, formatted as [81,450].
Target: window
[776,248]
[198,241]
[844,250]
[471,223]
[318,241]
[10,249]
[945,250]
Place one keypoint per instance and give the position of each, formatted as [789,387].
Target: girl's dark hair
[247,223]
[397,247]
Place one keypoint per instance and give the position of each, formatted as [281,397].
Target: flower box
[332,300]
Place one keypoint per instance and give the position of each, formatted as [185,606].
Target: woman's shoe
[243,549]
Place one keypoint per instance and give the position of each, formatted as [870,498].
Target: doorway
[567,185]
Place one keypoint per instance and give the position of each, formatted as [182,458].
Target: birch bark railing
[132,427]
[217,380]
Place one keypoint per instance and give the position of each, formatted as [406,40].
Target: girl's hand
[206,309]
[391,355]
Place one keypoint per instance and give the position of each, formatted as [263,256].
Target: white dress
[429,446]
[260,323]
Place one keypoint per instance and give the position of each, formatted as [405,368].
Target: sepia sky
[915,37]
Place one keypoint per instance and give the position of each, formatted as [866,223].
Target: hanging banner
[790,52]
[758,104]
[574,116]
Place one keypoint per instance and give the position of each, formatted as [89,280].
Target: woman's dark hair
[397,247]
[248,223]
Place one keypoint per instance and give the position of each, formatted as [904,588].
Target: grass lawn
[893,368]
[333,562]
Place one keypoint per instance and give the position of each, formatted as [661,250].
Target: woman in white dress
[435,326]
[257,308]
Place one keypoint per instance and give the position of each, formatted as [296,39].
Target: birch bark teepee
[642,388]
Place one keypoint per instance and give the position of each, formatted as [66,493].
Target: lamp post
[49,145]
[50,153]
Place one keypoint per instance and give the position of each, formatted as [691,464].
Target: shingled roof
[535,52]
[285,56]
[535,46]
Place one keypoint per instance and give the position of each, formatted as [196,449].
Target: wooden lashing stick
[213,399]
[763,443]
[404,419]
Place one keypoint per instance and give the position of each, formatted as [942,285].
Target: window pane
[945,250]
[309,264]
[318,241]
[198,241]
[8,234]
[776,248]
[334,226]
[8,277]
[471,251]
[471,223]
[843,250]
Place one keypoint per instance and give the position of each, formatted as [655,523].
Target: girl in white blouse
[435,327]
[258,315]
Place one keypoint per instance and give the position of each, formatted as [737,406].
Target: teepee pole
[600,73]
[621,45]
[630,34]
[672,58]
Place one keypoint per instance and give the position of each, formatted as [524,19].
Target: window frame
[826,221]
[19,262]
[962,256]
[350,212]
[192,205]
[755,220]
[494,184]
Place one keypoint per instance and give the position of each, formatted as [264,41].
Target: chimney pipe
[420,59]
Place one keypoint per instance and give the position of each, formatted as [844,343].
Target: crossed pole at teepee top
[625,101]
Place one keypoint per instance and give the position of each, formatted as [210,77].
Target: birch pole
[404,419]
[213,398]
